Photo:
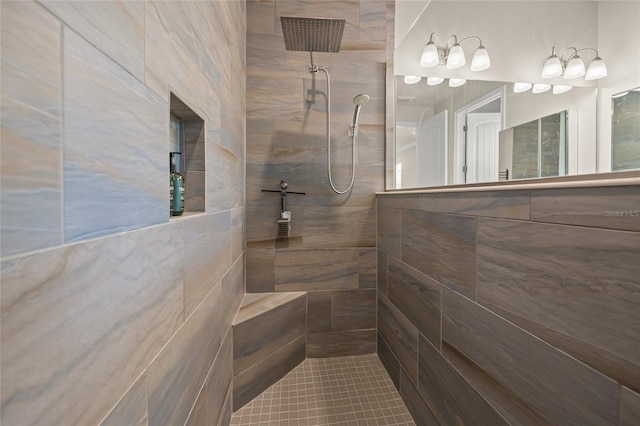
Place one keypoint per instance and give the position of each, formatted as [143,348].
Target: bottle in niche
[176,187]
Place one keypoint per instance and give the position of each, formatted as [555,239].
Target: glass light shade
[597,69]
[480,60]
[434,81]
[561,88]
[521,87]
[456,57]
[456,82]
[412,79]
[540,88]
[552,67]
[430,57]
[575,68]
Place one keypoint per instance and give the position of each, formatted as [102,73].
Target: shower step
[268,341]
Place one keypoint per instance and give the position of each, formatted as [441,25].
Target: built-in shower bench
[268,341]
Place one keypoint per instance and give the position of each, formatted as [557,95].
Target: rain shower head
[312,34]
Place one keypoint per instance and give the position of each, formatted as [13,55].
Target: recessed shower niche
[187,138]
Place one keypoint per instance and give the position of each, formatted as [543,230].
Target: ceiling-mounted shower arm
[313,68]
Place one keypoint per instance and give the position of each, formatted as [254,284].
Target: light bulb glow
[552,67]
[430,57]
[597,69]
[434,81]
[456,57]
[540,88]
[412,79]
[480,60]
[456,82]
[575,68]
[521,87]
[561,88]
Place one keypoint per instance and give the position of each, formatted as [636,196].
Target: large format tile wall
[112,312]
[512,307]
[331,252]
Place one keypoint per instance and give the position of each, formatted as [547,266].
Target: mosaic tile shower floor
[351,390]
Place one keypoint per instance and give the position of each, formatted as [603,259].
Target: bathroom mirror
[430,147]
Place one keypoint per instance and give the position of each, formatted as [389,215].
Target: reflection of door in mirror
[625,131]
[482,130]
[431,151]
[539,147]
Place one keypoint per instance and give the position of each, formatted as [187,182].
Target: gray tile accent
[340,343]
[389,360]
[612,208]
[629,407]
[448,395]
[501,204]
[400,334]
[218,385]
[261,276]
[30,154]
[251,382]
[311,269]
[318,311]
[588,279]
[110,187]
[177,374]
[415,404]
[132,408]
[273,327]
[558,387]
[419,296]
[68,332]
[367,272]
[353,309]
[443,247]
[382,273]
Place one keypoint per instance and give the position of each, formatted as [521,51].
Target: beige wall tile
[207,256]
[225,178]
[400,334]
[419,296]
[611,208]
[96,21]
[587,278]
[179,371]
[629,407]
[341,343]
[353,309]
[261,16]
[198,415]
[31,162]
[503,204]
[442,247]
[219,382]
[232,292]
[103,104]
[86,319]
[132,408]
[309,269]
[548,381]
[251,382]
[373,25]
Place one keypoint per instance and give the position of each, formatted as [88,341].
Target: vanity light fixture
[521,87]
[434,81]
[453,82]
[453,57]
[412,79]
[561,88]
[570,65]
[540,88]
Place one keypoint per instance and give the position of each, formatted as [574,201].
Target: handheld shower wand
[359,100]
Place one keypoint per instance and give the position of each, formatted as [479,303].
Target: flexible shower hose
[354,138]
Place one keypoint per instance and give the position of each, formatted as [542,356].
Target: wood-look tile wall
[331,252]
[512,307]
[101,325]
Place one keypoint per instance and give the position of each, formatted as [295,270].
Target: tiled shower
[115,313]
